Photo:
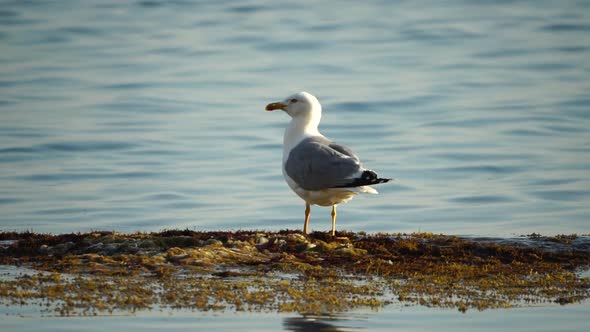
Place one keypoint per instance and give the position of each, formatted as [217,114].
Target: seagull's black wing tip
[368,178]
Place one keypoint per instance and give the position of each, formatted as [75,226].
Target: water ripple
[473,156]
[150,4]
[438,35]
[562,195]
[566,27]
[482,199]
[90,146]
[375,106]
[54,177]
[9,200]
[289,46]
[486,169]
[148,113]
[247,9]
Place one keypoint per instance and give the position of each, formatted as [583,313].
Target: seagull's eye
[293,100]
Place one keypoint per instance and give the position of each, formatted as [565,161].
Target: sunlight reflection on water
[148,115]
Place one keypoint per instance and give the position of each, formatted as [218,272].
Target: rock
[281,243]
[95,247]
[302,247]
[147,244]
[111,248]
[175,254]
[296,237]
[61,248]
[129,248]
[261,242]
[349,249]
[44,249]
[180,241]
[213,242]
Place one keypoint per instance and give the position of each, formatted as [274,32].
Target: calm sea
[145,115]
[148,115]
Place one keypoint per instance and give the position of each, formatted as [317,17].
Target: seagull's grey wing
[314,164]
[344,150]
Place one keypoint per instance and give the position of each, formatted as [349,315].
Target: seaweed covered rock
[288,271]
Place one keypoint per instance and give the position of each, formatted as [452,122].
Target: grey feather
[344,150]
[317,163]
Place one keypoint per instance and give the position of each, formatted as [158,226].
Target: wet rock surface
[101,272]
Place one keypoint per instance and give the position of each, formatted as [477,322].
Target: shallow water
[147,115]
[391,318]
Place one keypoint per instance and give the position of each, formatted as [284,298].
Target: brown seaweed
[106,272]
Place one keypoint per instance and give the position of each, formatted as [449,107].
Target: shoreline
[99,273]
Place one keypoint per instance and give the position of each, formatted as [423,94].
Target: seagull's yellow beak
[275,106]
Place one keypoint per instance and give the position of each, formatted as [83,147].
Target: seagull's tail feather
[367,178]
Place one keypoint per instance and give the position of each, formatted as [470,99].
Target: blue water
[145,115]
[148,115]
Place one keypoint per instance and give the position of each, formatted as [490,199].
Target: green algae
[108,272]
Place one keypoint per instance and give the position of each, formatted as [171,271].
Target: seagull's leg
[307,213]
[333,220]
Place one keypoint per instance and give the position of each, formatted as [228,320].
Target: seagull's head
[302,104]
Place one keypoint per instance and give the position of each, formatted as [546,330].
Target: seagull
[318,170]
